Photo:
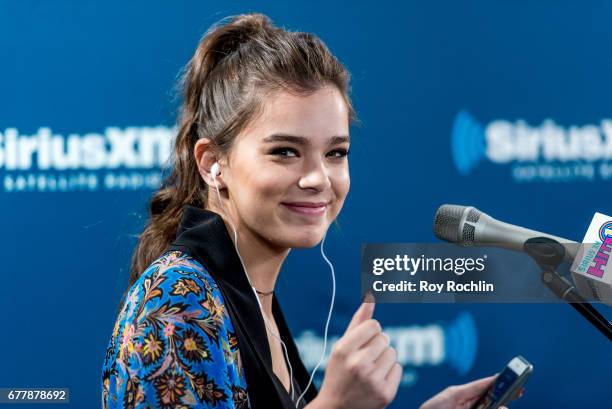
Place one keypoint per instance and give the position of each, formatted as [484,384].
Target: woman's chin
[304,239]
[292,235]
[298,234]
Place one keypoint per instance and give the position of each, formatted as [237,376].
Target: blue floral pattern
[173,344]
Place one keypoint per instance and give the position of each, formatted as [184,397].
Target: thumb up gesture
[362,372]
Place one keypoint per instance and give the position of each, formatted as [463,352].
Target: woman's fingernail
[368,297]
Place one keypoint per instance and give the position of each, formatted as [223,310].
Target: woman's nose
[316,177]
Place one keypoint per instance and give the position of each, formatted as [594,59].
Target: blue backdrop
[461,102]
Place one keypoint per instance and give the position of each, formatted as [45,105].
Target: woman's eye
[292,153]
[283,151]
[340,153]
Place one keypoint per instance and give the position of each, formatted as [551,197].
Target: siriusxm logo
[131,147]
[605,230]
[129,158]
[543,152]
[454,344]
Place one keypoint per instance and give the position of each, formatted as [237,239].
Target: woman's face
[288,172]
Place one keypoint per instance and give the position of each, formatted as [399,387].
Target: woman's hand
[362,372]
[462,396]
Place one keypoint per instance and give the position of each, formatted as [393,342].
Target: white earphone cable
[331,307]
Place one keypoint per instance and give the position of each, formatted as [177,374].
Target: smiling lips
[307,208]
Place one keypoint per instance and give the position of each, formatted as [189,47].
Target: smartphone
[505,385]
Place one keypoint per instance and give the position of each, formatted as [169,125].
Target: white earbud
[214,170]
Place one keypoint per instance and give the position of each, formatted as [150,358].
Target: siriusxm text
[130,148]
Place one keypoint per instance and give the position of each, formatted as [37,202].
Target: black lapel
[202,234]
[300,374]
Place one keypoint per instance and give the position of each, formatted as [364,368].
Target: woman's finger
[393,379]
[360,335]
[372,351]
[385,363]
[363,313]
[473,389]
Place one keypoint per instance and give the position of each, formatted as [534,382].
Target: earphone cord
[329,314]
[257,297]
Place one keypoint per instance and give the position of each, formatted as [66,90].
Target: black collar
[202,234]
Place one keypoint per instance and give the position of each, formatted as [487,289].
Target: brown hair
[223,87]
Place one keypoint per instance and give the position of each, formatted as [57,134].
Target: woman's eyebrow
[301,140]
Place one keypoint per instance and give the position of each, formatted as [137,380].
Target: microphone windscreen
[447,223]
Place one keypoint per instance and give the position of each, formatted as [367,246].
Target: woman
[261,152]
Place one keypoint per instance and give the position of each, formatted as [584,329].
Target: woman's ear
[205,157]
